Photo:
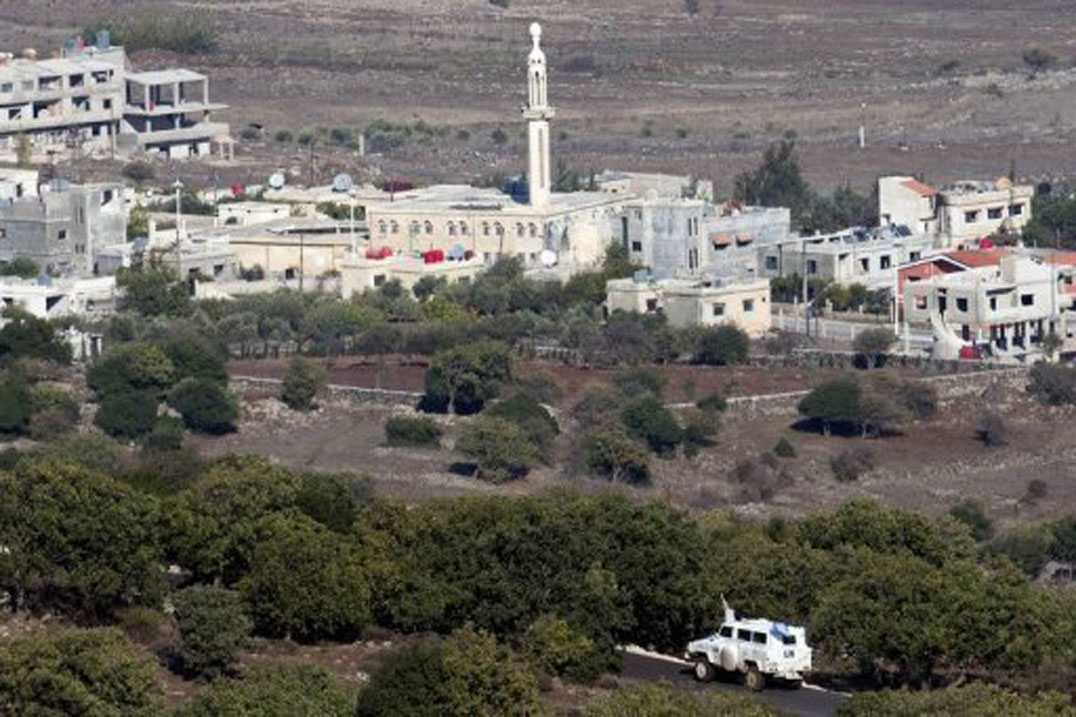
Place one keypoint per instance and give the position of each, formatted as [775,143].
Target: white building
[48,298]
[699,301]
[360,272]
[567,230]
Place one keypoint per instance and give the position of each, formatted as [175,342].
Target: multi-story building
[63,227]
[48,298]
[87,99]
[698,301]
[361,272]
[960,214]
[1001,307]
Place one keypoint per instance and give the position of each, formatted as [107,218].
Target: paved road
[807,701]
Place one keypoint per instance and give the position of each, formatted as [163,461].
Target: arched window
[519,230]
[395,227]
[382,227]
[429,227]
[452,229]
[485,229]
[415,227]
[463,228]
[498,229]
[533,228]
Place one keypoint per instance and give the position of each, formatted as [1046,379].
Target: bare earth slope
[710,90]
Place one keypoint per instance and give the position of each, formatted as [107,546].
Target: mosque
[563,232]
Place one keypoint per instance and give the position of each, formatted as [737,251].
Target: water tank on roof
[43,280]
[104,40]
[456,252]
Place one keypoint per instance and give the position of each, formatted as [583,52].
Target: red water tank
[433,256]
[969,353]
[986,244]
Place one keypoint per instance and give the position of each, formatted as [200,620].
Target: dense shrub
[784,449]
[532,418]
[609,452]
[1052,384]
[636,382]
[991,430]
[131,367]
[551,646]
[167,434]
[976,699]
[662,698]
[499,449]
[971,514]
[206,406]
[191,34]
[851,463]
[127,414]
[713,403]
[302,383]
[71,671]
[412,431]
[25,337]
[648,419]
[464,378]
[15,405]
[212,628]
[837,402]
[55,412]
[275,690]
[722,346]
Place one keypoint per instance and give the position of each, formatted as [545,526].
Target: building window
[961,304]
[429,227]
[62,235]
[748,306]
[865,265]
[1016,210]
[993,303]
[1027,299]
[533,229]
[812,266]
[636,246]
[971,217]
[651,305]
[994,213]
[886,262]
[452,229]
[415,228]
[485,229]
[498,229]
[921,302]
[914,256]
[382,227]
[771,263]
[719,309]
[463,228]
[379,279]
[520,231]
[395,227]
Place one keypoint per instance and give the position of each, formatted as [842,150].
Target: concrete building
[360,272]
[566,231]
[63,227]
[289,247]
[867,257]
[87,100]
[664,234]
[247,214]
[700,301]
[657,186]
[48,298]
[734,234]
[997,310]
[962,213]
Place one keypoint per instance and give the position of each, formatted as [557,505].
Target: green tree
[532,418]
[724,345]
[465,377]
[206,406]
[427,286]
[975,699]
[15,404]
[305,582]
[275,690]
[127,414]
[76,541]
[135,366]
[873,344]
[302,383]
[1038,59]
[22,267]
[553,647]
[212,627]
[27,337]
[466,674]
[77,672]
[152,291]
[195,356]
[777,182]
[611,453]
[137,223]
[970,513]
[334,320]
[499,448]
[647,418]
[835,402]
[412,432]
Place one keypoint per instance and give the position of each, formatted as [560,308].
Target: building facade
[699,301]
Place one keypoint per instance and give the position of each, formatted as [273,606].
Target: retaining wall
[355,394]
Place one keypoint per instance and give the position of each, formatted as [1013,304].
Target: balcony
[202,130]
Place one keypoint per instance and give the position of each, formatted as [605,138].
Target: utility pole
[178,186]
[806,303]
[863,125]
[302,259]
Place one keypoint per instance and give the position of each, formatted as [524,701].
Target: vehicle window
[789,639]
[744,635]
[760,638]
[726,631]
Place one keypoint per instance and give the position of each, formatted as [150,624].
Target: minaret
[538,113]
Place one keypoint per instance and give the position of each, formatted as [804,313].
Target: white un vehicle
[757,649]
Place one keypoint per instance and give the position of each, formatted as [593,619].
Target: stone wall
[355,394]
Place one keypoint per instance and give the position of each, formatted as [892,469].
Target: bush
[189,33]
[139,171]
[499,448]
[212,628]
[648,419]
[991,430]
[835,402]
[973,698]
[466,674]
[412,431]
[551,646]
[532,418]
[71,671]
[873,344]
[638,381]
[27,337]
[465,377]
[206,407]
[50,424]
[784,449]
[540,384]
[283,136]
[127,414]
[1036,490]
[920,398]
[722,346]
[167,435]
[131,367]
[713,403]
[1038,59]
[15,405]
[662,698]
[971,514]
[21,267]
[302,383]
[611,453]
[276,690]
[851,463]
[1052,384]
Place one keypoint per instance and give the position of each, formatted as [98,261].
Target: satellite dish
[342,183]
[1004,183]
[548,258]
[277,180]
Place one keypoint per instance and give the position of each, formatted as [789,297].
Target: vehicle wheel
[754,679]
[704,671]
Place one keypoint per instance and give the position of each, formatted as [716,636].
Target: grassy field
[640,84]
